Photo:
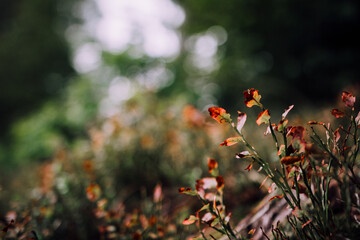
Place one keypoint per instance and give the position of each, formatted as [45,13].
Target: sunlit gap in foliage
[202,61]
[139,29]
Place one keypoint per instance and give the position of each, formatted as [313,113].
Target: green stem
[222,222]
[306,182]
[274,136]
[297,190]
[285,143]
[286,184]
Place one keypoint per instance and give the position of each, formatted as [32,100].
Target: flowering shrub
[318,177]
[119,183]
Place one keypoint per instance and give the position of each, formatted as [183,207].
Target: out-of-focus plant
[318,178]
[73,201]
[98,187]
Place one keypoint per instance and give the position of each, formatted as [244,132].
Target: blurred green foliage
[57,123]
[34,56]
[297,48]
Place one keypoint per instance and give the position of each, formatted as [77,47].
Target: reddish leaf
[231,141]
[348,99]
[297,132]
[288,160]
[227,218]
[337,135]
[315,122]
[287,111]
[208,217]
[306,223]
[219,114]
[212,165]
[337,113]
[190,220]
[206,183]
[243,154]
[220,183]
[263,182]
[214,202]
[277,196]
[268,130]
[282,150]
[198,219]
[252,231]
[187,191]
[241,121]
[263,117]
[205,207]
[249,167]
[282,125]
[252,97]
[183,189]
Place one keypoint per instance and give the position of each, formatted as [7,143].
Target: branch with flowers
[310,169]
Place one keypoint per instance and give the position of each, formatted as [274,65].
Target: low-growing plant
[317,175]
[99,188]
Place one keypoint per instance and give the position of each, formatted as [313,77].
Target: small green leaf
[263,117]
[231,141]
[188,191]
[216,221]
[205,207]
